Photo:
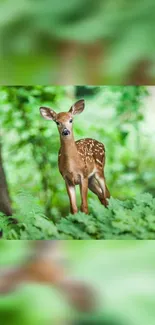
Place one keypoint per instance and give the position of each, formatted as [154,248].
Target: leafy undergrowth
[130,219]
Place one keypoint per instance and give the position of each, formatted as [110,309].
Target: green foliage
[130,219]
[31,136]
[31,222]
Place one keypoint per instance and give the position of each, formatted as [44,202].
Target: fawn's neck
[68,146]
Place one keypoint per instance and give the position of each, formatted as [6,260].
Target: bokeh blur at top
[77,42]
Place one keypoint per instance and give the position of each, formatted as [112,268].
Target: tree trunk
[5,204]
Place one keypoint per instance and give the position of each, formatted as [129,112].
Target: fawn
[80,162]
[45,265]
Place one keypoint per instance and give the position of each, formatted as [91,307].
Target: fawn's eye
[70,121]
[57,123]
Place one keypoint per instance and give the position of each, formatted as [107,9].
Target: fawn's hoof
[84,210]
[104,202]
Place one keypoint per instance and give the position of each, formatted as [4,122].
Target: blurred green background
[122,117]
[121,272]
[77,42]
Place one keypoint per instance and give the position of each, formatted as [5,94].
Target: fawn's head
[63,120]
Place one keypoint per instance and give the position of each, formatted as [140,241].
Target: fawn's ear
[47,113]
[78,107]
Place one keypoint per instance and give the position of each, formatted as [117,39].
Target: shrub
[130,219]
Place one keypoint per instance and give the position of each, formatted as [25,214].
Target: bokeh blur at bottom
[77,282]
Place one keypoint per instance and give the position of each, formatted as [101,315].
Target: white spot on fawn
[99,161]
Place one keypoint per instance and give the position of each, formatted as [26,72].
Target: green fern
[130,219]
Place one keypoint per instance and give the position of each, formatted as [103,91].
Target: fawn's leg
[96,189]
[84,193]
[72,198]
[105,192]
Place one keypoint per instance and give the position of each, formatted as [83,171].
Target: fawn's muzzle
[65,132]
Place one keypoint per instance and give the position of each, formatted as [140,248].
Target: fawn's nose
[65,132]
